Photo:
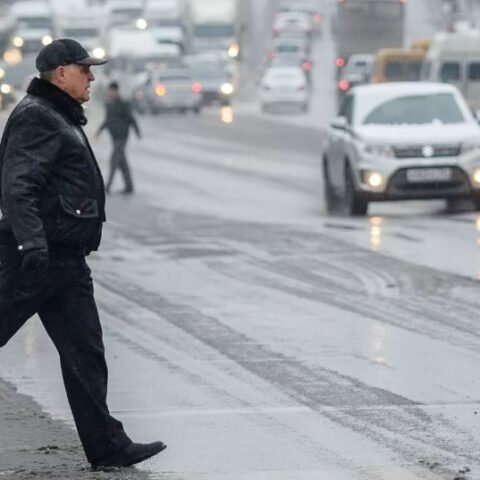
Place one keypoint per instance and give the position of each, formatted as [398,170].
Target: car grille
[415,151]
[399,187]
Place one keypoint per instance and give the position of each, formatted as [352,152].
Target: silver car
[401,141]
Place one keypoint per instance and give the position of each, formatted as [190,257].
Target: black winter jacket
[51,189]
[119,119]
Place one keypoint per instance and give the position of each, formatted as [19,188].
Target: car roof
[366,57]
[404,88]
[172,72]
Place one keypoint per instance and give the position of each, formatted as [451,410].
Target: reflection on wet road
[260,338]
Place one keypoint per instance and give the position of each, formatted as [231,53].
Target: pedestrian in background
[118,121]
[52,201]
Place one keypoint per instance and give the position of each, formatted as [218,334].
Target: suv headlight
[373,179]
[385,151]
[475,176]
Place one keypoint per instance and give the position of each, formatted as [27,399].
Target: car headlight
[227,88]
[5,88]
[373,179]
[2,73]
[160,90]
[379,151]
[17,41]
[234,51]
[99,53]
[47,39]
[470,148]
[476,176]
[141,24]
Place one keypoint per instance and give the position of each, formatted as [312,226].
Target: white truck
[168,21]
[34,25]
[454,57]
[217,25]
[122,12]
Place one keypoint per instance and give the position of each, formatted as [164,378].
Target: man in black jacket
[118,121]
[52,202]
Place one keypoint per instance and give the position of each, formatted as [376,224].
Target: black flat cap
[64,51]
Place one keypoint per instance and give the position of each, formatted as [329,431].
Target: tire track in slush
[404,427]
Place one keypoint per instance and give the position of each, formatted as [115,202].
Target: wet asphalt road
[262,339]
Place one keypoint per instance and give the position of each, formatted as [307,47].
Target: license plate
[429,175]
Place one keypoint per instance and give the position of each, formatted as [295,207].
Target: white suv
[401,141]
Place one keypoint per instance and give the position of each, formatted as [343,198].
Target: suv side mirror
[339,123]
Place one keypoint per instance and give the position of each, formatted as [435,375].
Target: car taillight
[317,18]
[340,62]
[270,55]
[160,90]
[403,1]
[344,85]
[197,87]
[307,66]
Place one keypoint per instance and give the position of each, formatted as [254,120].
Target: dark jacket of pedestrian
[52,188]
[119,119]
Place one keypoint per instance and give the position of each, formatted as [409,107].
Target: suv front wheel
[355,203]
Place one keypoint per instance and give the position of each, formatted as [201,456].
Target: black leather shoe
[134,453]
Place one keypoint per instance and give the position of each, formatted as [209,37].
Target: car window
[416,110]
[394,70]
[294,75]
[474,71]
[450,72]
[174,78]
[287,48]
[414,70]
[425,70]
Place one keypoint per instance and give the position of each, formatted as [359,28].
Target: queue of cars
[287,76]
[145,40]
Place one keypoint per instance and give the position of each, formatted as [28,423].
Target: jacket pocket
[79,207]
[76,221]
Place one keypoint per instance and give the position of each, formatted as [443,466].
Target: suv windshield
[416,110]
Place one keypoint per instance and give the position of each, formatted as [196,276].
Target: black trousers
[118,161]
[64,301]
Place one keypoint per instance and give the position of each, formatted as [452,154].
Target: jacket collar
[60,99]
